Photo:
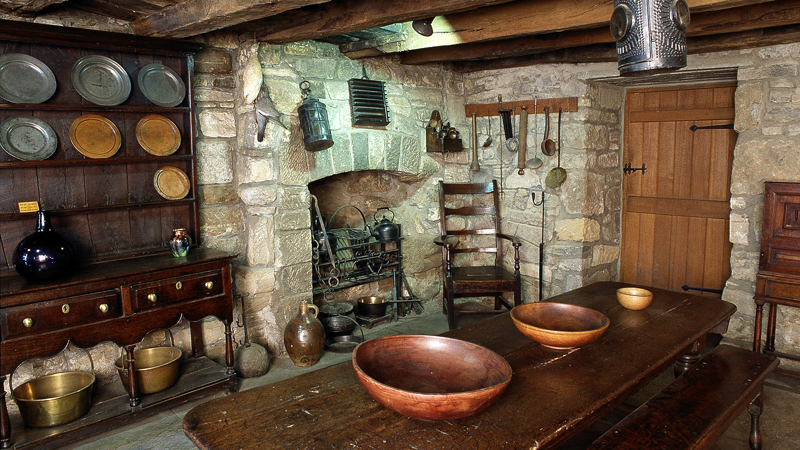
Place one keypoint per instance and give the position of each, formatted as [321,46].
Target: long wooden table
[553,395]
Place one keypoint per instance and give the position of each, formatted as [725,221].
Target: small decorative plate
[95,136]
[25,79]
[161,85]
[171,183]
[158,135]
[101,80]
[28,138]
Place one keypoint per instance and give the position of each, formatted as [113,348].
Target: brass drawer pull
[152,297]
[103,308]
[27,322]
[179,285]
[65,308]
[209,285]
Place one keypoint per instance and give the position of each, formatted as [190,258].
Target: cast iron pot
[334,318]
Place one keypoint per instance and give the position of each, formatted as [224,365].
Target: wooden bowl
[431,377]
[634,298]
[559,325]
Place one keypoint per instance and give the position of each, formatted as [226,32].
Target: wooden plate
[95,136]
[171,183]
[158,135]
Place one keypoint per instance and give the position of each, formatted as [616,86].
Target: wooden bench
[695,409]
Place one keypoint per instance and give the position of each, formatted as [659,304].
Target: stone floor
[780,421]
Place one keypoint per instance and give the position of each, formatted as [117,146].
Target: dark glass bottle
[45,254]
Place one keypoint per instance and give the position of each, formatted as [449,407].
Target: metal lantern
[650,35]
[314,122]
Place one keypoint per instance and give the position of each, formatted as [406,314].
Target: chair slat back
[473,200]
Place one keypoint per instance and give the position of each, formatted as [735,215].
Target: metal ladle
[488,139]
[535,162]
[548,146]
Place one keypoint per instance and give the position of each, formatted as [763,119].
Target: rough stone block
[213,60]
[579,230]
[293,247]
[216,123]
[258,195]
[214,161]
[293,220]
[217,194]
[254,170]
[260,240]
[222,219]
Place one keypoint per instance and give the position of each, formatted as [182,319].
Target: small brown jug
[304,336]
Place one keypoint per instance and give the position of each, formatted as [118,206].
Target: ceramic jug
[304,336]
[180,242]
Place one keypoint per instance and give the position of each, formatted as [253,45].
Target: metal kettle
[385,230]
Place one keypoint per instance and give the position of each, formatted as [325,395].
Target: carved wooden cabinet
[113,210]
[778,279]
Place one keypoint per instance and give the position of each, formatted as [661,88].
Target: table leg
[690,357]
[5,422]
[196,333]
[133,389]
[757,327]
[770,344]
[754,409]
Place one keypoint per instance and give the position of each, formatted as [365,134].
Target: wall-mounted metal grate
[368,103]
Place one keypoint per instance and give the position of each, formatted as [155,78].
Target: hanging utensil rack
[568,104]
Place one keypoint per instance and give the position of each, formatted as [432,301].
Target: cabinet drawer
[171,290]
[56,314]
[783,289]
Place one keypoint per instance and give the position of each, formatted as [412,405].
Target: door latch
[627,169]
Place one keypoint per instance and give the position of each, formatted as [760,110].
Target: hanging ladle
[548,146]
[535,162]
[488,139]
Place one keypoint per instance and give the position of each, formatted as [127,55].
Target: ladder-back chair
[470,223]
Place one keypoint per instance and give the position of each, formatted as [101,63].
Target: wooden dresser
[118,216]
[778,279]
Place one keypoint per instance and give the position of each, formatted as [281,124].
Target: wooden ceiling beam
[526,18]
[744,18]
[607,52]
[346,16]
[194,17]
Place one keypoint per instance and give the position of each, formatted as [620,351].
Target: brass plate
[171,183]
[158,135]
[25,79]
[95,136]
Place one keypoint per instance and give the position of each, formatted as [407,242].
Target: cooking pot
[385,230]
[334,318]
[372,306]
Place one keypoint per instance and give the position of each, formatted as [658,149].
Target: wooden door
[675,212]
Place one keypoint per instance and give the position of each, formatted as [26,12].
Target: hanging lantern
[650,35]
[314,121]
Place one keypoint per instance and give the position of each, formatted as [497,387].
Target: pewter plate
[28,138]
[161,85]
[101,80]
[25,79]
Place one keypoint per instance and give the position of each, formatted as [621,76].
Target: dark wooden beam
[346,16]
[194,17]
[607,52]
[752,17]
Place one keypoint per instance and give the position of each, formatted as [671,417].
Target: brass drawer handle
[103,308]
[209,285]
[179,285]
[152,297]
[65,308]
[27,322]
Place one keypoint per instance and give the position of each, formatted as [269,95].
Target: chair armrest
[514,240]
[446,241]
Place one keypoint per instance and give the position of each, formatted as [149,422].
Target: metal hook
[533,196]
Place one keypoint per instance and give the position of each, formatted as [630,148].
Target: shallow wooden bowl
[431,377]
[559,325]
[634,298]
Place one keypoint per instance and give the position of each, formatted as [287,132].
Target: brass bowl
[634,298]
[372,306]
[54,399]
[559,326]
[431,377]
[156,368]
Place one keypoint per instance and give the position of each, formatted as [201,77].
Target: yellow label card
[26,207]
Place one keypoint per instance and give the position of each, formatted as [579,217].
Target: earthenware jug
[45,254]
[304,336]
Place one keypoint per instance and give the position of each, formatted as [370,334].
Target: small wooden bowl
[634,298]
[431,377]
[559,326]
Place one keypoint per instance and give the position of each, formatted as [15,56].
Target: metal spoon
[535,162]
[489,139]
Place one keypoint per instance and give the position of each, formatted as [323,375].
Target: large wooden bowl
[559,325]
[431,377]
